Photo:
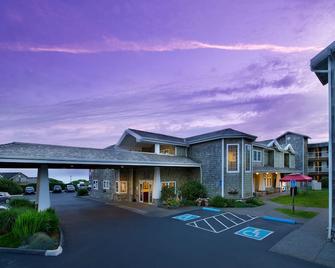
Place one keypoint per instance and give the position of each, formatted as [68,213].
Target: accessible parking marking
[254,233]
[221,222]
[186,217]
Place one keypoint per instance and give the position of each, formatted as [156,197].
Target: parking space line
[217,230]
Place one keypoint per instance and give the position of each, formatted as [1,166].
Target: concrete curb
[48,252]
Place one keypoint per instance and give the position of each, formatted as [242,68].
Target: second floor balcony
[317,169]
[318,155]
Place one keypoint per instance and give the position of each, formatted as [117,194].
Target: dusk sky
[80,72]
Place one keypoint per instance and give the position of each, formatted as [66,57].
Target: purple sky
[80,72]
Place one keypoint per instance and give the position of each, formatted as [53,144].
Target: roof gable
[294,133]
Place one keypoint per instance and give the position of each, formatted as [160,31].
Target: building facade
[318,161]
[228,162]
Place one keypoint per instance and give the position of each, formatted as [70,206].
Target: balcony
[317,169]
[318,155]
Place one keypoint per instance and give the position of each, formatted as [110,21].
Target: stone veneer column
[43,188]
[156,191]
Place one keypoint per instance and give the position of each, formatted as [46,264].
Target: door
[145,191]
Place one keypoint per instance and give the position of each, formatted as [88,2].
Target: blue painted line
[269,218]
[211,209]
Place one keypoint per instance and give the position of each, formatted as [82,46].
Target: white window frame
[248,169]
[118,187]
[105,184]
[168,185]
[238,158]
[260,155]
[95,184]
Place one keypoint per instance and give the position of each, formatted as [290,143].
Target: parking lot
[100,235]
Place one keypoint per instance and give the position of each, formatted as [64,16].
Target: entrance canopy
[296,177]
[30,155]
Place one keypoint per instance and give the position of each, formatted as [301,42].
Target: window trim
[104,185]
[168,182]
[261,155]
[250,157]
[238,157]
[118,187]
[95,184]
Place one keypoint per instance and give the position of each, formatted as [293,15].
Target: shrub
[28,223]
[82,192]
[187,203]
[40,241]
[192,190]
[218,201]
[173,203]
[50,221]
[21,203]
[254,201]
[324,183]
[7,220]
[10,186]
[167,193]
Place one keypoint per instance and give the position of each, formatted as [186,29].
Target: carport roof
[54,155]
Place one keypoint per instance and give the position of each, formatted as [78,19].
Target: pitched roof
[319,63]
[155,137]
[9,175]
[224,133]
[30,153]
[291,132]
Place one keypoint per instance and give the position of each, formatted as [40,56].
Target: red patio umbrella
[296,177]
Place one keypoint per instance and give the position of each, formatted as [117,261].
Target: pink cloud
[112,44]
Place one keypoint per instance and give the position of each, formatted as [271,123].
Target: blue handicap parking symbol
[254,233]
[186,217]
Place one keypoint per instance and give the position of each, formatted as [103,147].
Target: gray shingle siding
[209,155]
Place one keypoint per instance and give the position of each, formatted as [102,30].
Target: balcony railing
[317,169]
[318,155]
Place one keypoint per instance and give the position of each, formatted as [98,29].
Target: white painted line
[236,216]
[228,219]
[210,226]
[220,222]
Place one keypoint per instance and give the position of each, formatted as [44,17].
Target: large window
[167,149]
[169,184]
[121,187]
[257,156]
[286,160]
[232,158]
[247,157]
[95,184]
[106,184]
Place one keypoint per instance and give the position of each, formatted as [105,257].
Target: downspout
[222,167]
[242,169]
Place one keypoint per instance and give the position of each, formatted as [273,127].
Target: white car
[4,197]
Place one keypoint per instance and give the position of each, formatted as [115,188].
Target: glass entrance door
[145,191]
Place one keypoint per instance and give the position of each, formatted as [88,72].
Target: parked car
[70,188]
[57,189]
[29,190]
[4,197]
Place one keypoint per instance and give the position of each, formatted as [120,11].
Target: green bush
[187,203]
[172,203]
[41,241]
[10,186]
[21,203]
[53,182]
[254,201]
[50,221]
[9,241]
[82,192]
[167,193]
[28,223]
[192,190]
[218,201]
[7,220]
[324,183]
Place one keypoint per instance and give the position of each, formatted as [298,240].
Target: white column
[156,191]
[131,184]
[242,169]
[157,148]
[263,181]
[43,188]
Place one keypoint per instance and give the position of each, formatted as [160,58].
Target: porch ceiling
[33,155]
[273,170]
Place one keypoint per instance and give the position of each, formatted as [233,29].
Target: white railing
[317,169]
[317,154]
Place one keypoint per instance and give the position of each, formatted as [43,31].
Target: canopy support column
[43,193]
[156,193]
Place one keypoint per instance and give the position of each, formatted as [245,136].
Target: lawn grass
[310,198]
[298,213]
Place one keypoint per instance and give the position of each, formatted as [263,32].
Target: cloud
[112,44]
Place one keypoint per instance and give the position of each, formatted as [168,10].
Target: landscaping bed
[297,213]
[310,198]
[23,227]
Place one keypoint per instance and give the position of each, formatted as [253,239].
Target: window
[95,185]
[286,160]
[257,156]
[232,158]
[121,187]
[169,184]
[106,184]
[247,157]
[167,149]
